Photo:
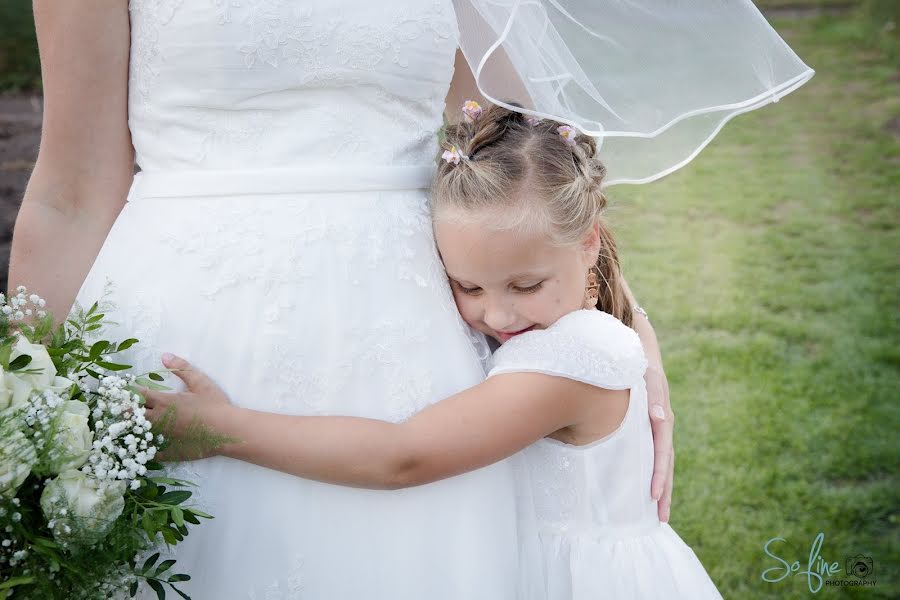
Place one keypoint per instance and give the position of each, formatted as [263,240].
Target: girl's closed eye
[530,289]
[473,291]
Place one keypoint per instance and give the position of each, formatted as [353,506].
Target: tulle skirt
[646,562]
[303,298]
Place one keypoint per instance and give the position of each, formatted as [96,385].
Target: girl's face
[509,282]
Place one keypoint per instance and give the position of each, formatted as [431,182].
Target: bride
[278,233]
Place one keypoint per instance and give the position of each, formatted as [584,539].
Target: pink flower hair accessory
[453,155]
[472,110]
[568,134]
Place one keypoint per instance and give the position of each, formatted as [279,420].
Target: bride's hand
[662,421]
[185,415]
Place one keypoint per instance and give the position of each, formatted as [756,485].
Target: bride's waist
[311,178]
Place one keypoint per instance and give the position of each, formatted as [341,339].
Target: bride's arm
[85,162]
[466,431]
[662,419]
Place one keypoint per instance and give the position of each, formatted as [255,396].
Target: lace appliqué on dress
[148,17]
[586,345]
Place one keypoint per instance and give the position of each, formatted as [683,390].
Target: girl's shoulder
[590,346]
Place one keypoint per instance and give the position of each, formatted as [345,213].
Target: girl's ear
[592,244]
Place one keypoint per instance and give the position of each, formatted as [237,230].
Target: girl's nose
[499,317]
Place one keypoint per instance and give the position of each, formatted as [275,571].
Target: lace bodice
[601,486]
[216,84]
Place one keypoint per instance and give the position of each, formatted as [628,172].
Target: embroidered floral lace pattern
[288,588]
[231,117]
[586,345]
[148,19]
[589,346]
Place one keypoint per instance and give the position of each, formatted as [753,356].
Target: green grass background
[770,268]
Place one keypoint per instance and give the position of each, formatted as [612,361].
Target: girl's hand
[186,414]
[662,420]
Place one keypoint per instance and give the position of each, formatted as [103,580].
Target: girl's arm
[86,160]
[467,431]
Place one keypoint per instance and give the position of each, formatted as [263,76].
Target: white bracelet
[641,311]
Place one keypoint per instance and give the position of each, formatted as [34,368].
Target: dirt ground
[20,136]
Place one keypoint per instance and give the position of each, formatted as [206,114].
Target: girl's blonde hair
[525,174]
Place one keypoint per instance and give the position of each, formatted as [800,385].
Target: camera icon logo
[860,566]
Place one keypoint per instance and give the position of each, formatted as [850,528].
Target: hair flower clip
[472,110]
[532,120]
[452,155]
[568,134]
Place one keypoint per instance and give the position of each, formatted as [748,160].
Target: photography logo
[815,566]
[860,566]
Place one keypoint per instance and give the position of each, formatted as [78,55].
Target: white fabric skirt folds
[310,291]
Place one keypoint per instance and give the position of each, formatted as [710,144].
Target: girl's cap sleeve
[586,345]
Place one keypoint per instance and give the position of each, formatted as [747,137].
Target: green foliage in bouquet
[83,502]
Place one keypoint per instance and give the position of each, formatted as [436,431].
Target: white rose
[40,359]
[73,437]
[16,388]
[91,507]
[17,457]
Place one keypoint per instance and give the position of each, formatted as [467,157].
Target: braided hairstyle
[524,174]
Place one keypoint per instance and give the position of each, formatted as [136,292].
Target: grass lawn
[770,269]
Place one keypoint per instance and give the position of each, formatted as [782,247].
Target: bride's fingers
[184,371]
[662,452]
[665,503]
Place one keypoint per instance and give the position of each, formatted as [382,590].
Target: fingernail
[658,412]
[167,357]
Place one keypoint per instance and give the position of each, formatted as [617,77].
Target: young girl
[516,207]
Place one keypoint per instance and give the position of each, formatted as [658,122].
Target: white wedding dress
[279,237]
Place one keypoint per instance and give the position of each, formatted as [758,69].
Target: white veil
[653,80]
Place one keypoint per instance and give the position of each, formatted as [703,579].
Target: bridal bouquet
[82,501]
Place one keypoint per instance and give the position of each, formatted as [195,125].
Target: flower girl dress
[600,536]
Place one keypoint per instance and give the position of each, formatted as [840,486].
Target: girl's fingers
[184,371]
[149,399]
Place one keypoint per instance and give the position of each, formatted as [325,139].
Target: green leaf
[92,309]
[200,513]
[148,525]
[179,577]
[176,497]
[169,536]
[96,318]
[132,591]
[97,349]
[93,327]
[155,376]
[112,366]
[149,562]
[178,516]
[169,481]
[163,567]
[11,583]
[190,518]
[180,593]
[20,361]
[127,344]
[158,588]
[160,518]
